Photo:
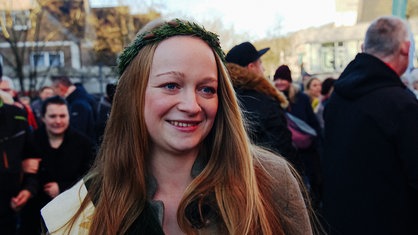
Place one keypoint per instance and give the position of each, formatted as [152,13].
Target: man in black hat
[247,56]
[261,102]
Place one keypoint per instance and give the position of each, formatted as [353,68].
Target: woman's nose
[189,102]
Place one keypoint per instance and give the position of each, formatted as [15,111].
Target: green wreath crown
[166,30]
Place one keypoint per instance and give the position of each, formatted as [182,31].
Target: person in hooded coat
[370,163]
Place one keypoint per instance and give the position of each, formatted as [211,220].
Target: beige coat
[289,202]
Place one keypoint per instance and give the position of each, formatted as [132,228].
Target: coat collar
[242,78]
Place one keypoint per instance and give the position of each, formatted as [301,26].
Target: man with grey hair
[370,162]
[16,146]
[6,90]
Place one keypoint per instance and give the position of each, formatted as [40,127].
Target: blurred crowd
[47,144]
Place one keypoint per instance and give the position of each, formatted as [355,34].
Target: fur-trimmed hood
[243,79]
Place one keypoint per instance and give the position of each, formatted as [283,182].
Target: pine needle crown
[168,29]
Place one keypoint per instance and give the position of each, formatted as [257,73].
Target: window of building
[328,57]
[47,59]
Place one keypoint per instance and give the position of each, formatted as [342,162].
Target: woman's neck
[172,171]
[173,175]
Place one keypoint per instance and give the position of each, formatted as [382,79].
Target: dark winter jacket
[15,146]
[302,109]
[64,165]
[67,163]
[262,106]
[371,152]
[82,113]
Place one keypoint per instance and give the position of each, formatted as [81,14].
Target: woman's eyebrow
[210,79]
[176,74]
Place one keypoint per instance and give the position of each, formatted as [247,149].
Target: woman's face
[56,119]
[181,97]
[315,88]
[282,85]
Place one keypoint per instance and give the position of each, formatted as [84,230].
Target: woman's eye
[209,90]
[170,86]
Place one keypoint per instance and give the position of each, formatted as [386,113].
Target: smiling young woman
[175,157]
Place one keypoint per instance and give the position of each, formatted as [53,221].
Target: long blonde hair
[240,189]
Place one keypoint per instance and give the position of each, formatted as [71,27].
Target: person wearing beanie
[300,106]
[263,105]
[283,72]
